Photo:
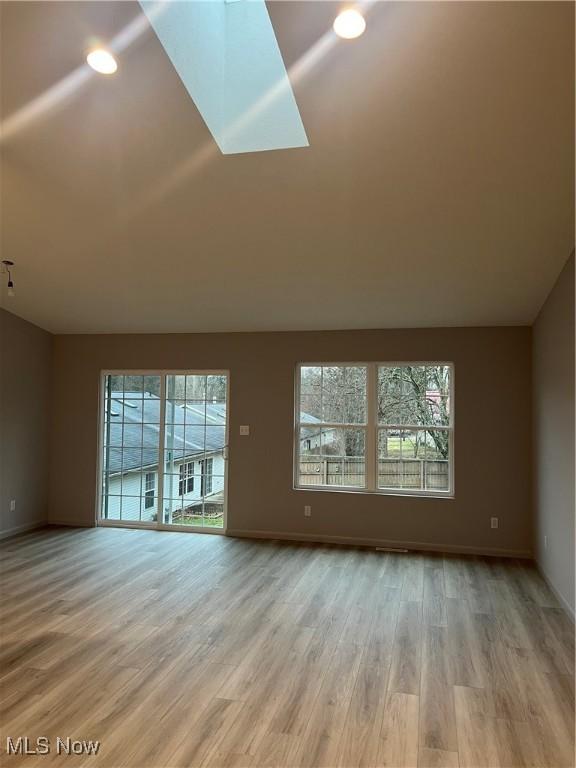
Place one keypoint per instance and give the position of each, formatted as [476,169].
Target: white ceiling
[437,190]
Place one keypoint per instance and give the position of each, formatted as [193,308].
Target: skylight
[227,57]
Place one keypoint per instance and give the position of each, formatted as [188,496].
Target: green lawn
[394,450]
[200,522]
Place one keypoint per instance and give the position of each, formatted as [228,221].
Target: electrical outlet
[245,429]
[493,522]
[13,505]
[307,510]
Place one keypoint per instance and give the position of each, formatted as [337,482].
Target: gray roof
[307,418]
[194,428]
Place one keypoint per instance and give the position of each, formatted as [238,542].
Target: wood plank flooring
[177,649]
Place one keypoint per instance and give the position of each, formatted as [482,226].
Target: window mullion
[161,446]
[370,447]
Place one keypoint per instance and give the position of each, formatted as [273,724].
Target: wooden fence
[392,473]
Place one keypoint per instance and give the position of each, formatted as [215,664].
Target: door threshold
[137,526]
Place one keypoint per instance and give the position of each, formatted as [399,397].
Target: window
[385,428]
[414,427]
[150,490]
[186,481]
[206,468]
[332,425]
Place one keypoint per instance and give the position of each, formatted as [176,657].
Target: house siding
[126,497]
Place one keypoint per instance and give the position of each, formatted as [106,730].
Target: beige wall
[25,377]
[553,372]
[493,431]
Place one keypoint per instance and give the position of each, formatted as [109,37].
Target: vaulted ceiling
[437,188]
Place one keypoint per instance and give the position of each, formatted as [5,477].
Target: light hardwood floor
[176,649]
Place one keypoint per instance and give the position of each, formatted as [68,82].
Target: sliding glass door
[195,448]
[164,449]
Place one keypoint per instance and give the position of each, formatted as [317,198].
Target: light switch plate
[245,430]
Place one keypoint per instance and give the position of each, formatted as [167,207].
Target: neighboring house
[193,458]
[310,443]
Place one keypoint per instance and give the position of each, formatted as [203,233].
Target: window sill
[448,495]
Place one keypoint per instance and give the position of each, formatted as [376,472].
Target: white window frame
[186,473]
[371,429]
[159,525]
[148,490]
[206,478]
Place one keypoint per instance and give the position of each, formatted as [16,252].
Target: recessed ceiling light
[102,61]
[349,24]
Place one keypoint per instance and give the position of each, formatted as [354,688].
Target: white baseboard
[17,529]
[558,595]
[423,546]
